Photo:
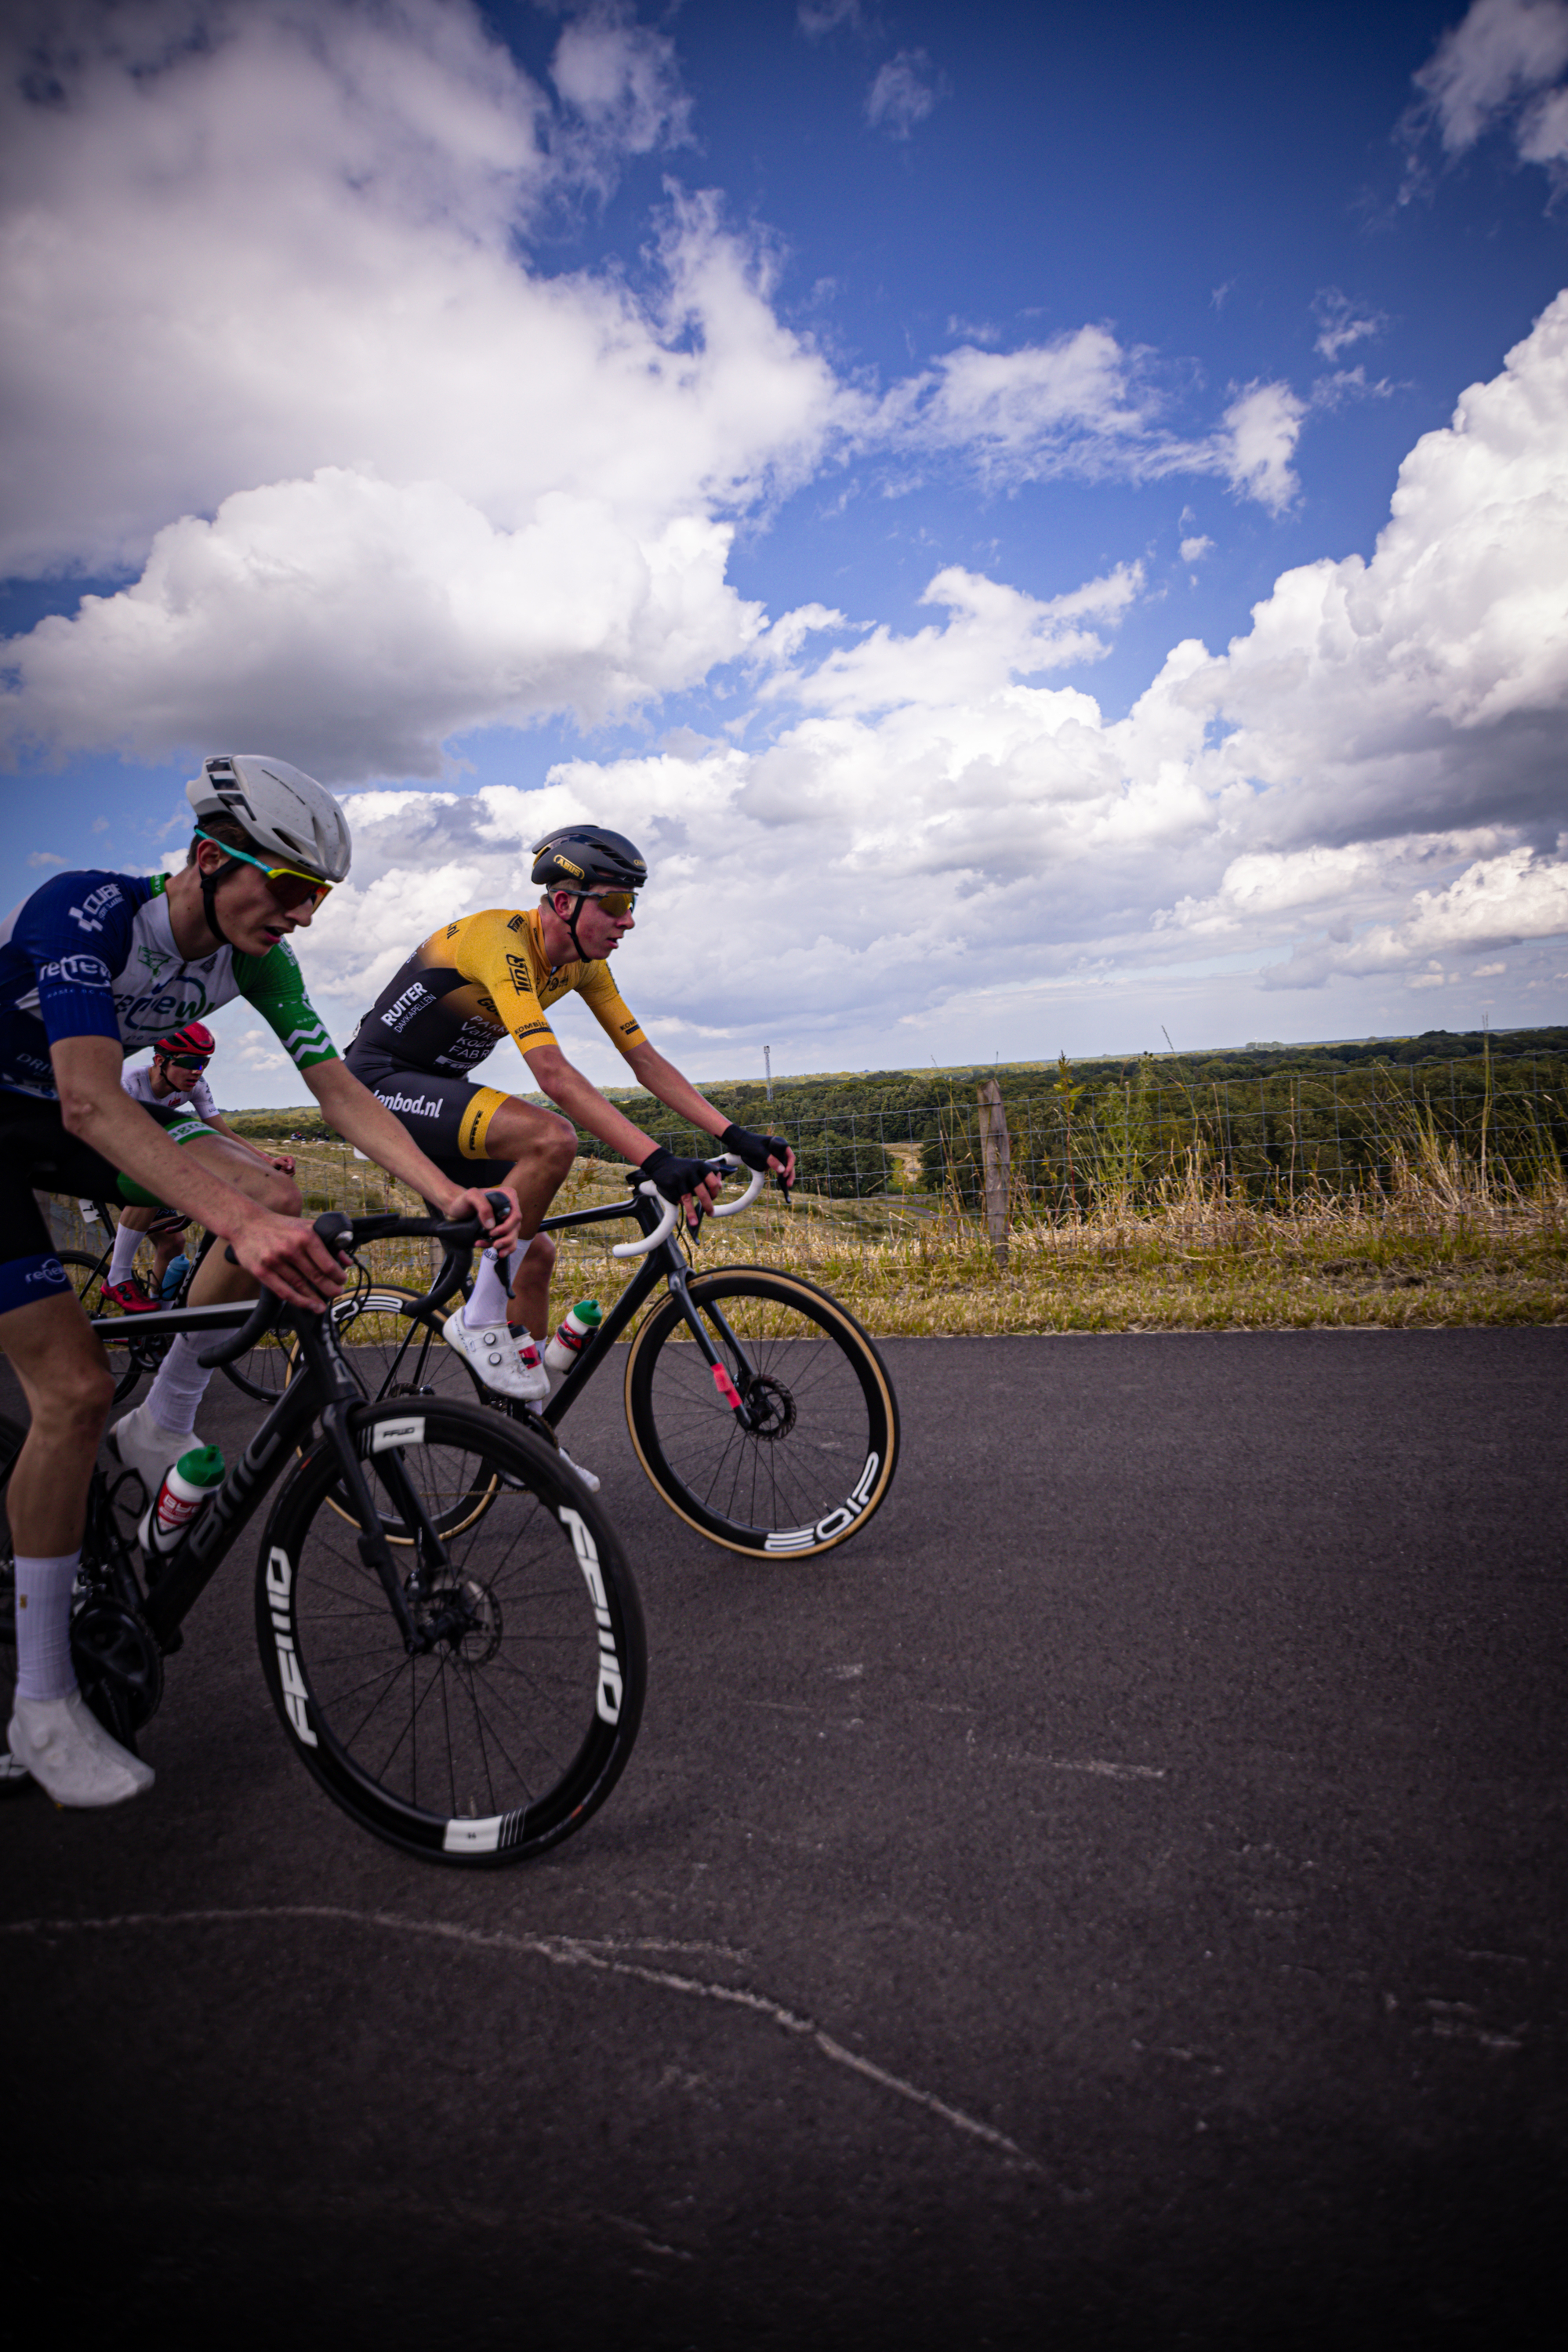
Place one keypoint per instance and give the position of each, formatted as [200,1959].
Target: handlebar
[343,1234]
[670,1216]
[661,1233]
[237,1343]
[733,1208]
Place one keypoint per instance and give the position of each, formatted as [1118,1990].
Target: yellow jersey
[473,982]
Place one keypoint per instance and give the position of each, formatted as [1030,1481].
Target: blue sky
[926,473]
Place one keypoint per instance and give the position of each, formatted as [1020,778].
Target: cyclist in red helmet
[174,1088]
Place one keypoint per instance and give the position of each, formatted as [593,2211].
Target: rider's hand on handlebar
[768,1153]
[285,1253]
[501,1233]
[691,1183]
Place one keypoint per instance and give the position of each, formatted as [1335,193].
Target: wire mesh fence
[1072,1148]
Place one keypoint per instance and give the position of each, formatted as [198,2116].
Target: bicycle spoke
[510,1712]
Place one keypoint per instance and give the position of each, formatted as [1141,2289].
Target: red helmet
[193,1039]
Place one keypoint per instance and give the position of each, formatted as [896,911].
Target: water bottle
[576,1329]
[174,1275]
[187,1487]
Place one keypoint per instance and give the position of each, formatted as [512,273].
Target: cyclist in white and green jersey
[94,966]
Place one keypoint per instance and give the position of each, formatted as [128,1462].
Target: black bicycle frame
[185,1572]
[665,1262]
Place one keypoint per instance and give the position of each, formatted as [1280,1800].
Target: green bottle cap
[203,1465]
[588,1311]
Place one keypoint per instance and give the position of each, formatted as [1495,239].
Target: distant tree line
[1264,1116]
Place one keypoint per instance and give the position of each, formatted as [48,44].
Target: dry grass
[1443,1245]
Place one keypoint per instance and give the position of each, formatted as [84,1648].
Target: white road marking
[561,1951]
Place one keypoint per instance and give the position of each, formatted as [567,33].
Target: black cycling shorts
[37,1155]
[448,1117]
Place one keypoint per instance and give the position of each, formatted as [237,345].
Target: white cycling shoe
[512,1367]
[63,1745]
[147,1448]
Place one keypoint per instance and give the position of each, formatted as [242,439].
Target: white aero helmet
[280,807]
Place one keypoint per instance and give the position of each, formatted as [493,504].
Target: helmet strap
[578,898]
[209,896]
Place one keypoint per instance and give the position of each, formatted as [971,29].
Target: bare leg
[531,1289]
[218,1279]
[542,1147]
[70,1388]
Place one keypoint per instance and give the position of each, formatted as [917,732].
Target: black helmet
[585,857]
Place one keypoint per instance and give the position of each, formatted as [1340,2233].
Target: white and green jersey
[93,955]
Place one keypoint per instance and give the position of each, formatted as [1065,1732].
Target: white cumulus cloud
[1262,426]
[383,618]
[370,465]
[294,245]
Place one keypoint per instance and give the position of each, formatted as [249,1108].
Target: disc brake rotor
[466,1616]
[771,1406]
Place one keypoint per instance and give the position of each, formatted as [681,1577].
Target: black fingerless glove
[675,1178]
[757,1150]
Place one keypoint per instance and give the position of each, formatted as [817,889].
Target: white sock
[44,1668]
[127,1242]
[487,1300]
[180,1384]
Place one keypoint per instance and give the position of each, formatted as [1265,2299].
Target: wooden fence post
[996,1155]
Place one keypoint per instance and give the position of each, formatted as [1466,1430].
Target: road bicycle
[449,1631]
[134,1352]
[758,1406]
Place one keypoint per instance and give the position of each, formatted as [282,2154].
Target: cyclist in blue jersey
[94,966]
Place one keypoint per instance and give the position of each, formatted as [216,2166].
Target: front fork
[735,1398]
[320,1341]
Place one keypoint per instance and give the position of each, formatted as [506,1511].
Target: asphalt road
[1117,1901]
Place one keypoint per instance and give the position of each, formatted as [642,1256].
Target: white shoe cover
[68,1751]
[493,1352]
[137,1441]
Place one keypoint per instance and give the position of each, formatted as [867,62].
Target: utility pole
[768,1066]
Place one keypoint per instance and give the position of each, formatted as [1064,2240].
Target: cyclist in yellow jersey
[499,973]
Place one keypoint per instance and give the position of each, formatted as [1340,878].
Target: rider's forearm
[664,1081]
[95,1108]
[372,1129]
[585,1107]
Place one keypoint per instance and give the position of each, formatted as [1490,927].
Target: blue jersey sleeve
[77,933]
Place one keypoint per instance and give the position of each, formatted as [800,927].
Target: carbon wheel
[393,1356]
[513,1720]
[820,1454]
[263,1371]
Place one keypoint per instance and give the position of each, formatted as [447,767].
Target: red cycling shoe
[129,1297]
